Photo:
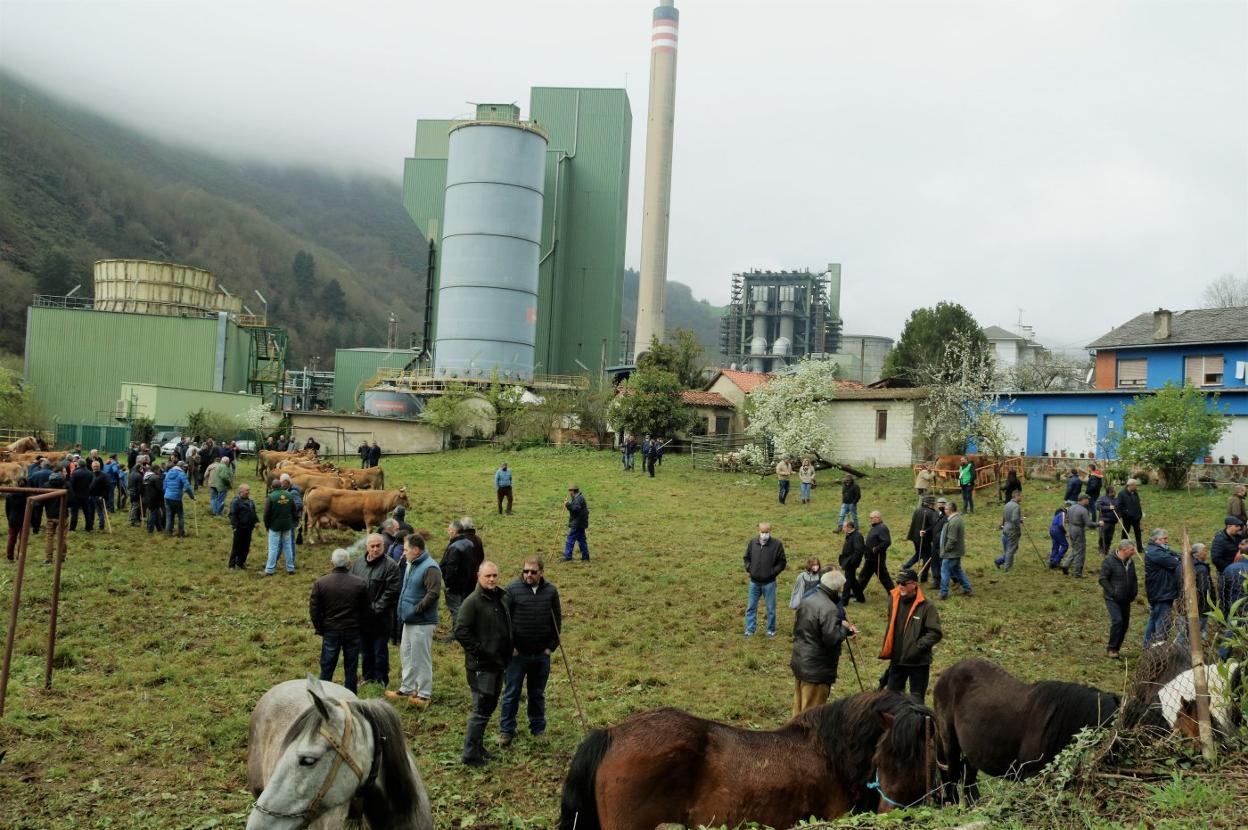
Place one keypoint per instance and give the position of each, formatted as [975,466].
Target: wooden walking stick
[563,649]
[854,662]
[108,523]
[1199,679]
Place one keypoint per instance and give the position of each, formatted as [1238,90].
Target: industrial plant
[775,318]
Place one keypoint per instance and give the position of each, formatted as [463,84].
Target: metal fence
[106,438]
[732,452]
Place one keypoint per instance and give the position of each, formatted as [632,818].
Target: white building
[1011,349]
[876,427]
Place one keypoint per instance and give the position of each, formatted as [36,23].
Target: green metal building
[584,223]
[78,359]
[355,367]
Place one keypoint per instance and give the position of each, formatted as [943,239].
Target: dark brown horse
[993,722]
[872,751]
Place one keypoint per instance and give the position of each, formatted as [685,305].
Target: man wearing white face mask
[764,561]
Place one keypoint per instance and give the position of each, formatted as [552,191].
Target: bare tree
[1049,372]
[1227,291]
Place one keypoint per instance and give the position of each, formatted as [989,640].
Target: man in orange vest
[913,629]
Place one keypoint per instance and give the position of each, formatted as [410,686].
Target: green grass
[163,651]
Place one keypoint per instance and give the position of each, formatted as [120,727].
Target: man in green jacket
[966,482]
[952,551]
[219,485]
[913,629]
[483,628]
[279,519]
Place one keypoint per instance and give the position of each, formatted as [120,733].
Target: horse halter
[342,755]
[929,728]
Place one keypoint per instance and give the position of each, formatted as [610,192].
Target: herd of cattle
[333,497]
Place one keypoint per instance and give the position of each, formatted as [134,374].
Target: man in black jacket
[154,497]
[818,631]
[459,569]
[1120,586]
[875,563]
[536,618]
[338,607]
[1131,511]
[764,561]
[374,455]
[15,511]
[384,578]
[853,550]
[1226,543]
[851,494]
[578,523]
[80,496]
[243,519]
[484,630]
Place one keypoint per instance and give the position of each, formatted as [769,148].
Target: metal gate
[105,438]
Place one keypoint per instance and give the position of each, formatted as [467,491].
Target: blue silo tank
[491,239]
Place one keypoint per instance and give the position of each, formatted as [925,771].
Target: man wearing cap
[913,630]
[764,561]
[1131,511]
[818,631]
[1078,519]
[1120,586]
[578,522]
[1226,542]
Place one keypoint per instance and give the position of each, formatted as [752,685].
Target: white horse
[311,764]
[1178,699]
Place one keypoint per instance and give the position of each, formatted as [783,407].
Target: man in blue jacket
[112,475]
[502,484]
[176,484]
[1161,584]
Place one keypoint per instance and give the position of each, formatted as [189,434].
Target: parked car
[168,446]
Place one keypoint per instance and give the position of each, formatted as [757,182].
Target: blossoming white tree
[792,410]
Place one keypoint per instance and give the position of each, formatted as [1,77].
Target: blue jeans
[535,668]
[347,642]
[768,592]
[281,541]
[216,500]
[1158,624]
[576,537]
[155,518]
[952,568]
[847,510]
[805,490]
[1060,545]
[375,648]
[174,508]
[784,490]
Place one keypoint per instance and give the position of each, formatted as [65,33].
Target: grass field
[163,651]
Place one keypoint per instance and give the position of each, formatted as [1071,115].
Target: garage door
[1015,427]
[1073,433]
[1234,441]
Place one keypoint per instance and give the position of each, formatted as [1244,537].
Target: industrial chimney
[652,293]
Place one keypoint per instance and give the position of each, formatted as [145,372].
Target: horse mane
[396,769]
[1070,707]
[849,730]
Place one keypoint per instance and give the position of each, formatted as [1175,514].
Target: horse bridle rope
[342,755]
[929,729]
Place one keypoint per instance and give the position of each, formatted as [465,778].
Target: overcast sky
[1083,161]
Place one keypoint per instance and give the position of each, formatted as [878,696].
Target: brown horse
[872,751]
[993,722]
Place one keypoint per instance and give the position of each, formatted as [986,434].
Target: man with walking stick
[536,618]
[818,631]
[913,630]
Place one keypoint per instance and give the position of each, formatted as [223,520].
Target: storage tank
[758,342]
[491,237]
[148,287]
[870,350]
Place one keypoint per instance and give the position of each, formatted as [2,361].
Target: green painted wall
[77,359]
[581,280]
[169,406]
[354,366]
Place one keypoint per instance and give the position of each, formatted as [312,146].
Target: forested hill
[75,187]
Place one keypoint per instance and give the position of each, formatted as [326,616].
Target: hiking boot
[1111,654]
[505,739]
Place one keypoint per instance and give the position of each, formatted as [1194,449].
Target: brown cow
[10,472]
[308,480]
[356,509]
[371,479]
[28,458]
[269,458]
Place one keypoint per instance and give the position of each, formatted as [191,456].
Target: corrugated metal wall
[354,366]
[238,347]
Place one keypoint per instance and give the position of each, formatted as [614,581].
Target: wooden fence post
[1192,603]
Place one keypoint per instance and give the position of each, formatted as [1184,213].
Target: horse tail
[579,810]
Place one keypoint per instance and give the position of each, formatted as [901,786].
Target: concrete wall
[853,428]
[395,435]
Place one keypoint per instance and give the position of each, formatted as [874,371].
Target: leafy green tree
[682,356]
[507,399]
[142,430]
[649,404]
[332,298]
[17,407]
[921,347]
[303,268]
[592,408]
[447,411]
[55,273]
[1167,430]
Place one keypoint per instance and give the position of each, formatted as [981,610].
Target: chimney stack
[656,202]
[1161,324]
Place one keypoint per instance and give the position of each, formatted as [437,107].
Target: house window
[881,424]
[1133,372]
[722,424]
[1203,370]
